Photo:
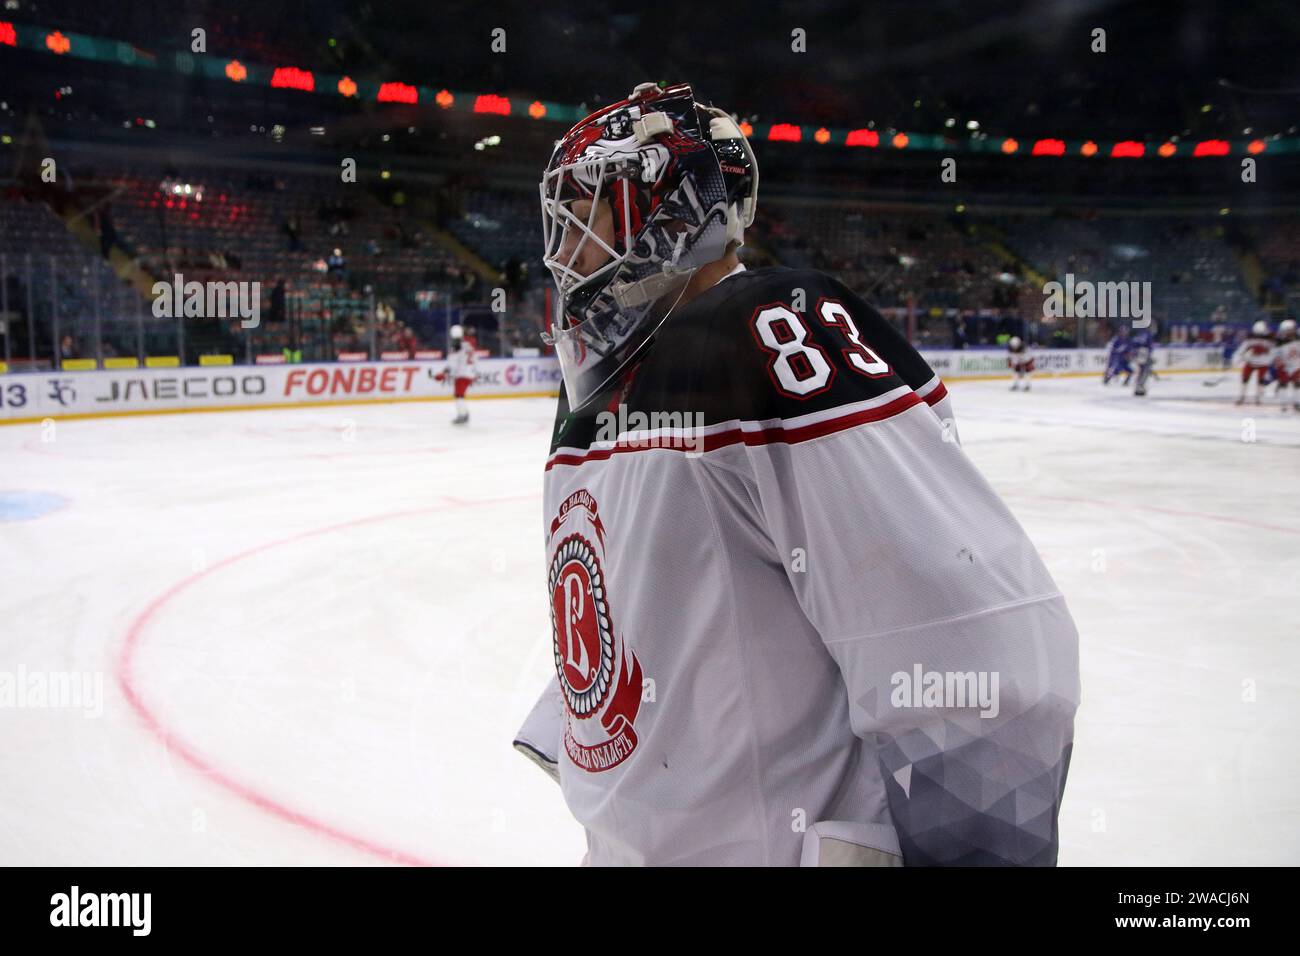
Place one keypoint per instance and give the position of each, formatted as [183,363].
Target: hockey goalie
[792,624]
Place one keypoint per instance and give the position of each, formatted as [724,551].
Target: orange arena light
[1256,146]
[444,99]
[822,135]
[1009,146]
[745,129]
[1089,148]
[900,141]
[58,43]
[236,71]
[1167,149]
[348,86]
[536,109]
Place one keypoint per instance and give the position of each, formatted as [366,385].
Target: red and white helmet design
[635,199]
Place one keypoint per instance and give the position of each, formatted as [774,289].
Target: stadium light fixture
[397,93]
[492,103]
[292,78]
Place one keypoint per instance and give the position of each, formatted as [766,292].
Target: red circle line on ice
[173,742]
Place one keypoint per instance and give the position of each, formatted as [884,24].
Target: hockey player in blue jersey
[1117,361]
[1142,350]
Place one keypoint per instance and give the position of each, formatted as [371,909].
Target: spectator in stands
[107,231]
[337,264]
[469,286]
[514,275]
[67,349]
[406,340]
[292,230]
[276,311]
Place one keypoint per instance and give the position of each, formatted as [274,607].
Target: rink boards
[36,396]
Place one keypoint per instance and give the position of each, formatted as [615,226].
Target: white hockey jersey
[1256,352]
[791,621]
[461,361]
[1288,355]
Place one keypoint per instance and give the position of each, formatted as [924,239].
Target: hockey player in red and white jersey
[1286,365]
[461,361]
[1020,362]
[1256,357]
[792,623]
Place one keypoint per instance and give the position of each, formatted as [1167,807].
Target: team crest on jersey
[600,677]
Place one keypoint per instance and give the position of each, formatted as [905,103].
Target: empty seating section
[215,224]
[1192,269]
[501,224]
[69,288]
[1278,247]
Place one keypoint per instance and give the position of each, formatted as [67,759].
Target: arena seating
[69,286]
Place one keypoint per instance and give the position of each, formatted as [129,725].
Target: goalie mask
[635,200]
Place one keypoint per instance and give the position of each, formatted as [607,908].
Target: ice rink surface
[318,629]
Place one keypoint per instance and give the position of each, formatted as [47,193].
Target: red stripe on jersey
[766,436]
[936,394]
